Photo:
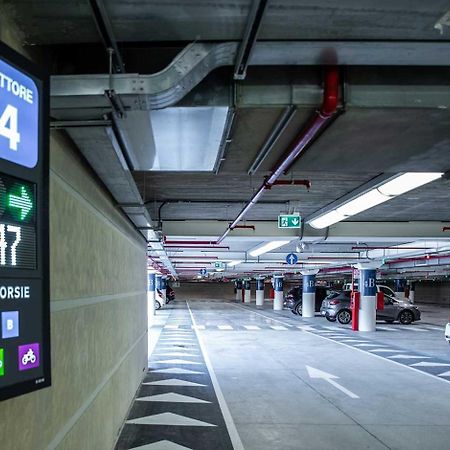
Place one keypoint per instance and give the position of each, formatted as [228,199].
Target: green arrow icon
[23,202]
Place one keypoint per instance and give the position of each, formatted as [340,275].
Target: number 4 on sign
[8,126]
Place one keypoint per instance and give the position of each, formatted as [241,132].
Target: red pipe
[321,117]
[418,258]
[190,242]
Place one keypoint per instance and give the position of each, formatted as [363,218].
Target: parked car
[293,299]
[157,304]
[447,331]
[380,288]
[336,306]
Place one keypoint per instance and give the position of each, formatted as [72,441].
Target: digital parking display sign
[24,225]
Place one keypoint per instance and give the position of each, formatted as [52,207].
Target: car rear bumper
[330,312]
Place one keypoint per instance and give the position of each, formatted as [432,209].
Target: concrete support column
[368,302]
[151,293]
[164,289]
[399,287]
[260,292]
[158,288]
[309,295]
[278,286]
[412,289]
[247,291]
[238,290]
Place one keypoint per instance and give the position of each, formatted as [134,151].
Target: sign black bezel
[40,176]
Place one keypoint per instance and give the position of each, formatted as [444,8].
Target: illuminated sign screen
[24,265]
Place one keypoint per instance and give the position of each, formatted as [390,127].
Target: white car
[447,332]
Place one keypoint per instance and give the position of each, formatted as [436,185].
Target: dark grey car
[337,307]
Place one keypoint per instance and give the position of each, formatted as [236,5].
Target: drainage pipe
[321,117]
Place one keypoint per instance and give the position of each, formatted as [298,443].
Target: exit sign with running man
[289,221]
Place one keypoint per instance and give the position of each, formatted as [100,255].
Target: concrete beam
[340,232]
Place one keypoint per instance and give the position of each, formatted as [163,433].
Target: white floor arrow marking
[171,397]
[170,419]
[408,357]
[161,445]
[174,382]
[175,361]
[328,377]
[177,370]
[429,364]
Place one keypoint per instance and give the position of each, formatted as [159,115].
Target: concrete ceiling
[394,117]
[59,21]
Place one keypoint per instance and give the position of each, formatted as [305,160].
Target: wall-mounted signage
[289,221]
[24,265]
[292,258]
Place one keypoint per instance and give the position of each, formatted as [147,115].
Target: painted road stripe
[410,328]
[430,364]
[171,397]
[224,327]
[444,374]
[407,357]
[278,327]
[367,352]
[251,327]
[383,350]
[161,445]
[387,329]
[198,327]
[367,345]
[176,354]
[170,419]
[170,327]
[174,382]
[178,370]
[175,361]
[231,427]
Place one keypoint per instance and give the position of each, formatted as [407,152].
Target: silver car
[337,307]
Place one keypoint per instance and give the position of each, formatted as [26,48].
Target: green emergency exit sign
[289,221]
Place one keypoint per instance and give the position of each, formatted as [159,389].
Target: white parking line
[387,328]
[278,327]
[229,422]
[410,328]
[368,352]
[251,327]
[224,327]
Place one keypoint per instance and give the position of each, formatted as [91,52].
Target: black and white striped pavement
[176,407]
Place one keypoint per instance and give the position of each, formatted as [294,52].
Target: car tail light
[335,302]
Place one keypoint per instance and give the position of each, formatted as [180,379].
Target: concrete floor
[260,358]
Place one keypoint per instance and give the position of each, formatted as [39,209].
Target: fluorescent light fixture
[272,245]
[326,219]
[234,263]
[396,186]
[407,182]
[361,203]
